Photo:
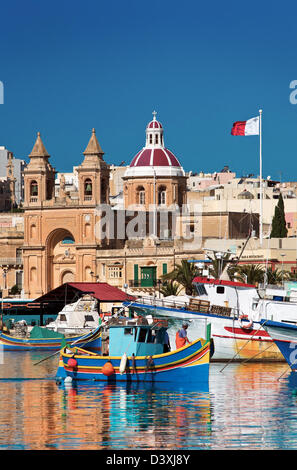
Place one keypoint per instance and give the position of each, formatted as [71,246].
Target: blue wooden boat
[137,353]
[284,336]
[41,340]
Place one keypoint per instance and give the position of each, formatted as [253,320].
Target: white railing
[194,305]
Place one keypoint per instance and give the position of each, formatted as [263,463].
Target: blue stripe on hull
[195,374]
[189,364]
[7,347]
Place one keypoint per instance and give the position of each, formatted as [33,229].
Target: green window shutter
[135,272]
[164,268]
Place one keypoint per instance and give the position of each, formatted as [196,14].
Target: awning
[71,291]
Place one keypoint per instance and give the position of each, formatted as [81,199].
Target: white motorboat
[77,318]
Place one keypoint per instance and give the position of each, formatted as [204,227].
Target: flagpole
[261,183]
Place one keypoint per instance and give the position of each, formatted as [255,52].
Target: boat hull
[188,364]
[284,336]
[11,343]
[233,338]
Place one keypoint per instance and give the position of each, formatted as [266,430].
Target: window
[33,189]
[151,337]
[89,318]
[141,197]
[62,317]
[19,279]
[128,331]
[220,290]
[68,240]
[115,272]
[162,196]
[88,189]
[151,139]
[200,289]
[142,335]
[157,139]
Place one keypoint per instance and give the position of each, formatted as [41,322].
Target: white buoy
[123,363]
[68,379]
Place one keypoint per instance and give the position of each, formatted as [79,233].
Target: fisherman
[181,337]
[167,347]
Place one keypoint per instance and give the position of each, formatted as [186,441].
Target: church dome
[154,124]
[154,159]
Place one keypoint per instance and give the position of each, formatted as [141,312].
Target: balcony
[145,284]
[11,261]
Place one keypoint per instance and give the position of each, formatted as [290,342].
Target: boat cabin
[139,339]
[82,314]
[234,295]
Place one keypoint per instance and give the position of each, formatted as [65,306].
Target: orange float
[72,362]
[108,369]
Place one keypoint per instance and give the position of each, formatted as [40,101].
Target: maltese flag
[249,127]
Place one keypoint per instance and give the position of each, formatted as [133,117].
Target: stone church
[61,240]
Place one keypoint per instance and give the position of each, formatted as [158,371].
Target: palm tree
[276,277]
[291,276]
[184,274]
[170,288]
[218,265]
[248,273]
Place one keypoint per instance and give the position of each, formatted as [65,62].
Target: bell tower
[11,179]
[39,176]
[93,175]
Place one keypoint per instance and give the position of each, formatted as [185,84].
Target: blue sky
[70,66]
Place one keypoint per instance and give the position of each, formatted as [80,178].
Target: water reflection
[251,406]
[135,416]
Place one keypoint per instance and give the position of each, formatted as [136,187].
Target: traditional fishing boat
[134,351]
[43,340]
[284,336]
[39,339]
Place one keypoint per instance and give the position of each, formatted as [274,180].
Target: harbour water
[247,406]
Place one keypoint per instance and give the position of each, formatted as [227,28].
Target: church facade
[62,242]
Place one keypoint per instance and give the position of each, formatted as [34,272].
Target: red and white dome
[154,159]
[154,124]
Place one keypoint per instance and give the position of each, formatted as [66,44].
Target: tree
[15,290]
[218,265]
[184,274]
[249,273]
[170,288]
[291,276]
[275,277]
[279,226]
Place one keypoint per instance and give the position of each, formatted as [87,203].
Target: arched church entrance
[60,258]
[67,276]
